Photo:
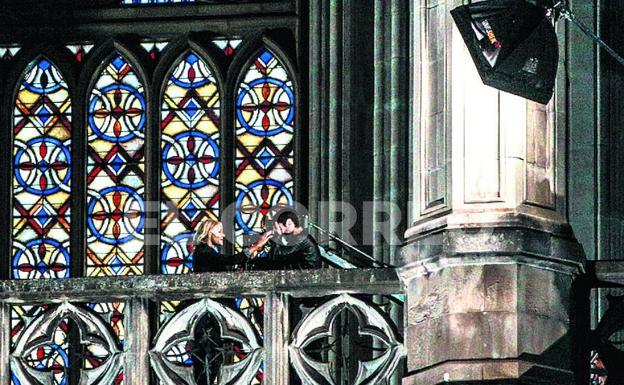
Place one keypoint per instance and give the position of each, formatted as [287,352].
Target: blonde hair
[202,235]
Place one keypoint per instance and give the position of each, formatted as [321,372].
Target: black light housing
[513,45]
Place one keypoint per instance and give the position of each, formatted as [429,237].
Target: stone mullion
[5,342]
[276,339]
[324,126]
[227,177]
[398,164]
[152,180]
[315,110]
[76,352]
[6,157]
[378,121]
[388,133]
[79,181]
[347,65]
[398,95]
[320,140]
[336,75]
[137,342]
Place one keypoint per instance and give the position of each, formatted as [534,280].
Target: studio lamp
[513,43]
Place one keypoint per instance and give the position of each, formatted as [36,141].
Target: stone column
[490,260]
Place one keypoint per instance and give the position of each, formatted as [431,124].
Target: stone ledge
[490,372]
[487,335]
[515,239]
[295,282]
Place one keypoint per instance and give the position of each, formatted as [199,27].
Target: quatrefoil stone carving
[181,329]
[40,332]
[319,324]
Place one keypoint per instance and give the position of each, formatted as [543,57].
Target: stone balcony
[278,321]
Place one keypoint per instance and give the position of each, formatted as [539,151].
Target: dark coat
[302,254]
[206,259]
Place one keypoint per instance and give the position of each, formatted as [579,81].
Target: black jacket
[301,254]
[205,259]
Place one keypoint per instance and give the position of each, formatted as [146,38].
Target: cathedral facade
[468,235]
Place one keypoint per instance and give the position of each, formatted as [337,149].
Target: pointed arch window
[265,127]
[116,116]
[41,196]
[190,156]
[41,174]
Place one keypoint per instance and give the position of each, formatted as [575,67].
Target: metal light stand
[565,12]
[336,238]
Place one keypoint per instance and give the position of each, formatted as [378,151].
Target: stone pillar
[490,260]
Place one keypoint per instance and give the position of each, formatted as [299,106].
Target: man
[291,247]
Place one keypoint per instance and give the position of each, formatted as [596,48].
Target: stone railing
[272,319]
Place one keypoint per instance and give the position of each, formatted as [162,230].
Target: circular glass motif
[265,106]
[255,200]
[177,257]
[42,166]
[191,160]
[40,258]
[116,215]
[116,113]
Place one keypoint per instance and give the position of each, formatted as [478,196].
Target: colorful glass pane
[190,121]
[21,316]
[115,172]
[41,174]
[7,52]
[265,118]
[228,46]
[167,310]
[154,47]
[80,50]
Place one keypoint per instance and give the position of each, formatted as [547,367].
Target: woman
[207,243]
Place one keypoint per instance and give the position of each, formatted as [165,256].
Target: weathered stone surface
[462,336]
[544,293]
[491,372]
[517,235]
[299,282]
[498,297]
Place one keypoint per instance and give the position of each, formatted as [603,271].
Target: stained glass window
[265,118]
[41,174]
[190,124]
[115,172]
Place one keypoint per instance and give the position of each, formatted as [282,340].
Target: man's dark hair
[286,215]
